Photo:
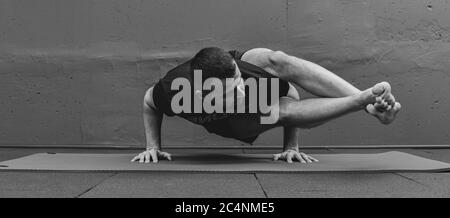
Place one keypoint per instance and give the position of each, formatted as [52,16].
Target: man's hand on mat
[291,155]
[151,155]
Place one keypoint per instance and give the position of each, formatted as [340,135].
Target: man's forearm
[152,124]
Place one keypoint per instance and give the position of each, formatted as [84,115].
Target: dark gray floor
[180,185]
[67,184]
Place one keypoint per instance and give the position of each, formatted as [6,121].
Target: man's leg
[308,75]
[316,111]
[318,80]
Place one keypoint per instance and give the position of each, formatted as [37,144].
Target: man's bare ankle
[360,101]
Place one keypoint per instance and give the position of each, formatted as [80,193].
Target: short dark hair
[214,62]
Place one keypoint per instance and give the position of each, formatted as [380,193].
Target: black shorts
[245,127]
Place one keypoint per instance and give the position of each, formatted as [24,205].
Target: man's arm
[152,124]
[152,121]
[290,138]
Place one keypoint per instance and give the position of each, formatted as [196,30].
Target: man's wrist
[291,147]
[150,147]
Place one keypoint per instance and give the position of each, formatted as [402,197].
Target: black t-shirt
[218,123]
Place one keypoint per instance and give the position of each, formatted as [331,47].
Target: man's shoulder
[148,97]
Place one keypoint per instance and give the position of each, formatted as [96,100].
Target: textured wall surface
[74,72]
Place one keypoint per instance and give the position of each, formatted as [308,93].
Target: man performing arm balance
[181,92]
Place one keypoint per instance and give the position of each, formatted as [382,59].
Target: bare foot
[386,116]
[376,95]
[379,102]
[383,91]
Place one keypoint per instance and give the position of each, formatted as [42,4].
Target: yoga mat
[240,163]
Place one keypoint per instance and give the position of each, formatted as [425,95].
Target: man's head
[214,62]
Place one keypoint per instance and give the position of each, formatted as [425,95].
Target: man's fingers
[141,158]
[166,155]
[299,158]
[154,157]
[289,157]
[147,157]
[135,158]
[151,155]
[313,159]
[276,156]
[306,157]
[279,155]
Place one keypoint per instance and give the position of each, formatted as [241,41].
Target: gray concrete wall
[74,72]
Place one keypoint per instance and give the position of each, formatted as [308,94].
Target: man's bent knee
[279,58]
[281,63]
[274,62]
[265,57]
